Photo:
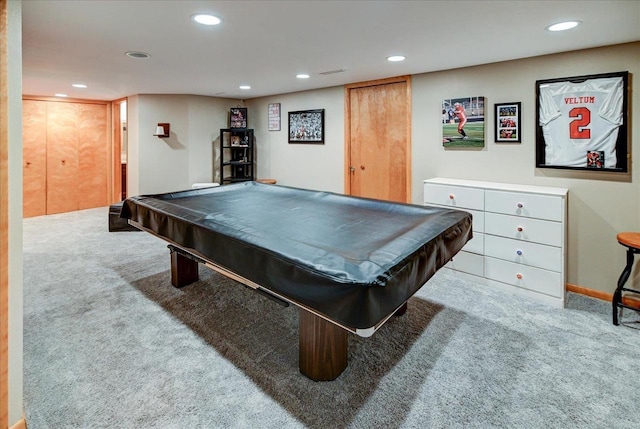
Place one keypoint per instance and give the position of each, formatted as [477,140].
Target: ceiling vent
[326,73]
[137,54]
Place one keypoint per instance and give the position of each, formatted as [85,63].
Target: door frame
[347,128]
[115,172]
[4,220]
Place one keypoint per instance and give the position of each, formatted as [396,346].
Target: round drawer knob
[451,196]
[520,229]
[520,205]
[519,252]
[519,276]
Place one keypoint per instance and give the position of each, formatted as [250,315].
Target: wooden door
[378,139]
[67,155]
[62,158]
[34,150]
[93,155]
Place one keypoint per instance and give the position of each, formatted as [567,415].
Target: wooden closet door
[34,153]
[93,155]
[62,158]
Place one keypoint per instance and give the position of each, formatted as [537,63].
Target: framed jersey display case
[582,122]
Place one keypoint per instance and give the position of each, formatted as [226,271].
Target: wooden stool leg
[322,348]
[617,295]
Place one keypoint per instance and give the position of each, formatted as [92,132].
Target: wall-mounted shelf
[163,130]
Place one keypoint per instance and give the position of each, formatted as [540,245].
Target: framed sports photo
[463,122]
[508,125]
[238,117]
[306,126]
[581,122]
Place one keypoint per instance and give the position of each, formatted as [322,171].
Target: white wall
[191,153]
[158,165]
[14,85]
[311,166]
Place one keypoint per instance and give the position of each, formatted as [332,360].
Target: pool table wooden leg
[184,271]
[322,349]
[400,311]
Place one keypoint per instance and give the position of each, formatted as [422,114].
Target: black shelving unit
[236,155]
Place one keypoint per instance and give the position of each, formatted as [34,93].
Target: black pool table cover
[353,260]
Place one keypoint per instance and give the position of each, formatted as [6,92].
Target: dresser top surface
[546,190]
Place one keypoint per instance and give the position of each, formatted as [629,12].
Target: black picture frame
[570,101]
[238,117]
[306,126]
[508,122]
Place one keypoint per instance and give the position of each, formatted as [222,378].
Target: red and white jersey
[581,118]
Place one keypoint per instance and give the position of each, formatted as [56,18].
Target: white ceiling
[266,43]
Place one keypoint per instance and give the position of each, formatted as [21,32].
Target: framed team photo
[582,122]
[306,126]
[507,116]
[463,122]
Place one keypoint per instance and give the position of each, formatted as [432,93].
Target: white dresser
[519,235]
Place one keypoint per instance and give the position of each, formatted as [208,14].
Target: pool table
[348,263]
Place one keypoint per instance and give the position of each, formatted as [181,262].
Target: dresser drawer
[535,279]
[525,205]
[522,228]
[476,244]
[454,196]
[478,220]
[478,217]
[521,252]
[468,263]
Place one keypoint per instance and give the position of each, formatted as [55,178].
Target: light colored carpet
[109,343]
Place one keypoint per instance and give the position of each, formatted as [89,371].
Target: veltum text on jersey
[579,100]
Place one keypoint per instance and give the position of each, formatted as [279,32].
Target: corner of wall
[133,145]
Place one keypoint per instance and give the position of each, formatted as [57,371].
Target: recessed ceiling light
[303,76]
[79,85]
[61,95]
[561,26]
[395,58]
[206,19]
[244,87]
[137,54]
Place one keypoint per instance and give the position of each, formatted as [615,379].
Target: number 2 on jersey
[577,128]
